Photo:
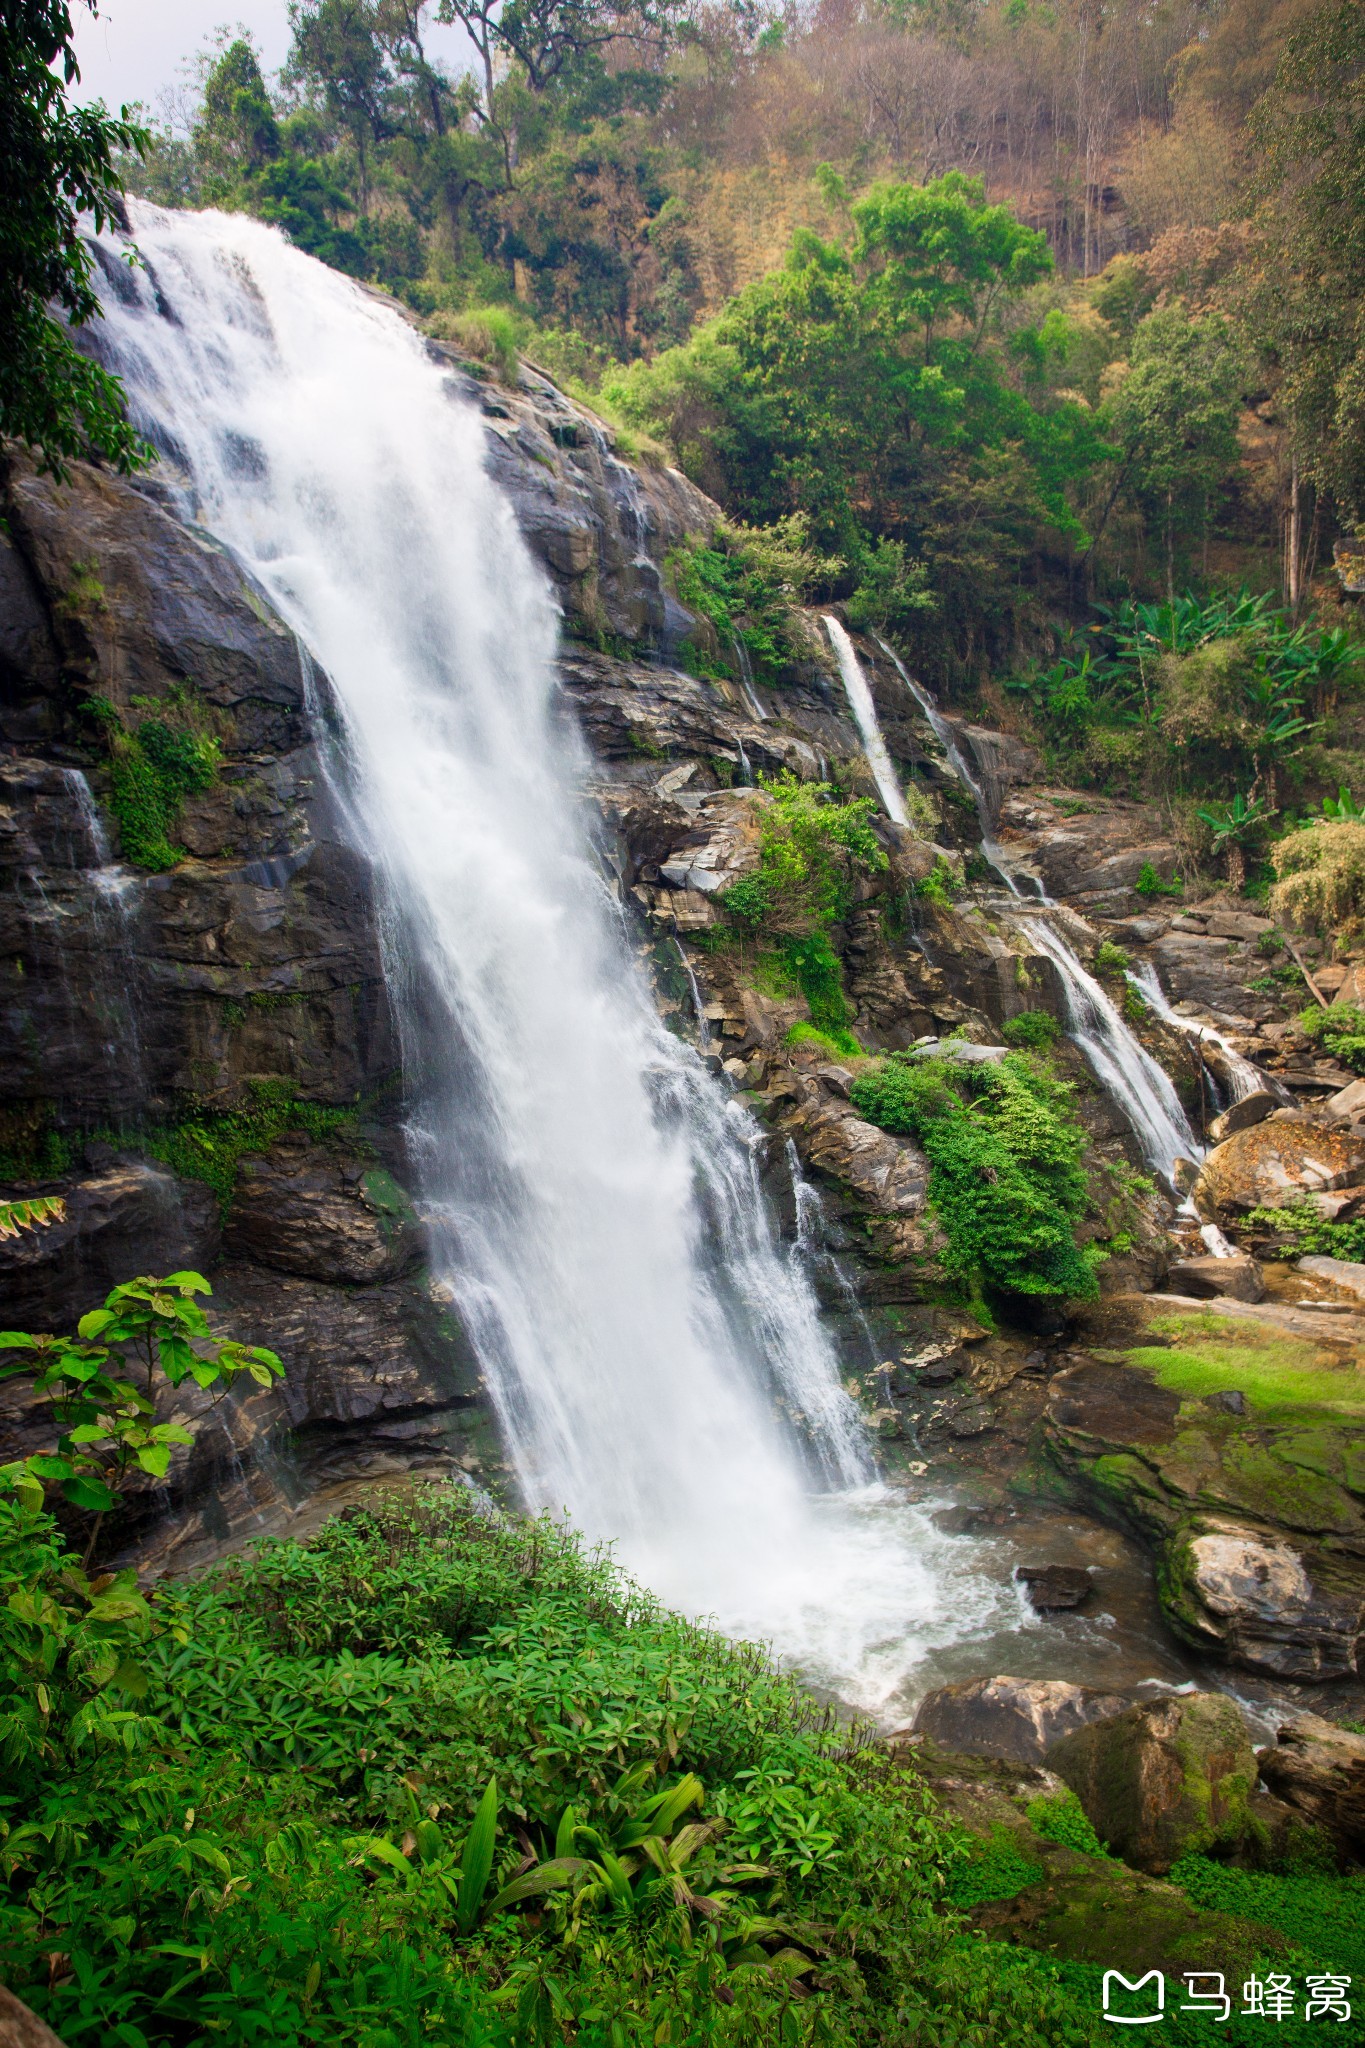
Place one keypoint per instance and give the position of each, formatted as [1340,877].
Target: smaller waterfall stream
[1121,1064]
[859,694]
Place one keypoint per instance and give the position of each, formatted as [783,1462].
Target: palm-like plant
[1232,826]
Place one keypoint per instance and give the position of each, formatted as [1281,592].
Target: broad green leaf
[546,1877]
[476,1863]
[187,1282]
[17,1340]
[155,1459]
[44,1466]
[91,1494]
[95,1323]
[130,1678]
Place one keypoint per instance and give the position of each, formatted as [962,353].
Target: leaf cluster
[1006,1179]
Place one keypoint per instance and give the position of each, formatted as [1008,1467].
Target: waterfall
[1242,1077]
[1119,1061]
[597,1211]
[859,693]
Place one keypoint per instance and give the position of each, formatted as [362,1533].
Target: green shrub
[1006,1180]
[1340,1030]
[749,584]
[1061,1818]
[1320,877]
[269,1835]
[1109,958]
[1149,883]
[835,1045]
[1031,1030]
[1304,1233]
[940,886]
[152,769]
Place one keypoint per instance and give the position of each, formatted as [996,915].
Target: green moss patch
[1279,1375]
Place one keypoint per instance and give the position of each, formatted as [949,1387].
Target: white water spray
[1120,1062]
[859,693]
[599,1220]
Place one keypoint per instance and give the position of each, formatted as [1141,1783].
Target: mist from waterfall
[652,1347]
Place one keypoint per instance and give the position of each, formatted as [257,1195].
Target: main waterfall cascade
[653,1350]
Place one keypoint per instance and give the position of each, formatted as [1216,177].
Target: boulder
[1251,1595]
[1347,1102]
[889,1173]
[1164,1779]
[1319,1770]
[1052,1587]
[1238,1277]
[301,1209]
[1273,1163]
[1246,1111]
[21,2028]
[1018,1719]
[1237,924]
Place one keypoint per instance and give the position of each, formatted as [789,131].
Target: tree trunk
[1237,867]
[1170,553]
[1293,539]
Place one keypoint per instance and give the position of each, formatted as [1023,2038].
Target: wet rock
[1319,1770]
[1347,1274]
[1111,1404]
[1246,1111]
[1164,1779]
[1239,1277]
[300,1208]
[1262,1600]
[1273,1162]
[889,1173]
[1055,1587]
[130,1218]
[1015,1718]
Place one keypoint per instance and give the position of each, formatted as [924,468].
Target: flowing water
[653,1348]
[1132,1079]
[859,693]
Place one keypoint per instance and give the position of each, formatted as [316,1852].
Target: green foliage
[749,584]
[152,769]
[33,1214]
[1031,1030]
[1340,1030]
[1301,1231]
[206,1143]
[1321,1915]
[1006,1179]
[491,334]
[442,1776]
[1110,958]
[1060,1817]
[105,1418]
[890,591]
[834,1045]
[941,885]
[56,165]
[1149,883]
[995,1868]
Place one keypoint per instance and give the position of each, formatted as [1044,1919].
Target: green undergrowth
[1006,1180]
[1279,1375]
[206,1144]
[996,1868]
[284,1802]
[834,1044]
[1300,1231]
[1059,1817]
[748,584]
[1340,1030]
[154,765]
[1320,1914]
[1031,1031]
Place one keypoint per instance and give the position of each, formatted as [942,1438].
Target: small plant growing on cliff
[153,768]
[102,1389]
[1340,1030]
[1031,1030]
[1149,883]
[1109,958]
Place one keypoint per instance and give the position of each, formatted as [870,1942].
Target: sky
[138,49]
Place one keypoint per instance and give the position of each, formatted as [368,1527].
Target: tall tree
[56,164]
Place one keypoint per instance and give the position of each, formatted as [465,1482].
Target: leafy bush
[1303,1232]
[1031,1030]
[1320,877]
[1149,883]
[940,885]
[1340,1030]
[490,334]
[152,769]
[288,1831]
[1006,1180]
[1109,958]
[1061,1818]
[749,584]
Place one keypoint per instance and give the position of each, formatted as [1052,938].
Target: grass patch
[1278,1375]
[841,1045]
[996,1869]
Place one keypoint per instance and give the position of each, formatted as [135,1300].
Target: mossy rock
[1168,1778]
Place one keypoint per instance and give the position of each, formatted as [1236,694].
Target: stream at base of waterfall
[651,1344]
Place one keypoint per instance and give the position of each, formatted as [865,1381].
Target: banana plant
[1231,826]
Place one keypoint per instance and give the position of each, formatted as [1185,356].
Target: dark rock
[301,1209]
[1113,1404]
[1319,1770]
[1166,1778]
[1016,1718]
[125,1220]
[1229,1400]
[1055,1586]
